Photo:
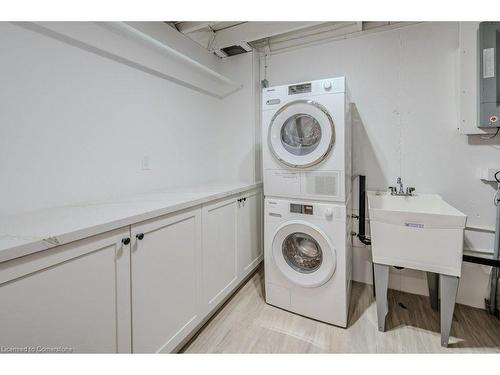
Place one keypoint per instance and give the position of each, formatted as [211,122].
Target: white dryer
[307,258]
[306,147]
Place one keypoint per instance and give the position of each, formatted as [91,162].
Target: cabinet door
[166,266]
[219,251]
[250,232]
[73,298]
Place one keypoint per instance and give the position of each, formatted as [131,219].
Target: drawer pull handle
[126,240]
[139,236]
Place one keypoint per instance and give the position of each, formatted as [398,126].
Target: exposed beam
[326,32]
[250,31]
[322,31]
[189,27]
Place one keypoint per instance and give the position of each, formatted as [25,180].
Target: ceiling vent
[236,49]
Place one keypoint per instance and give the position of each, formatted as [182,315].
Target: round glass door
[303,254]
[301,133]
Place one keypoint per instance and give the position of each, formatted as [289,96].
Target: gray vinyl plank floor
[246,324]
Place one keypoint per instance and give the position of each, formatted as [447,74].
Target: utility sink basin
[421,232]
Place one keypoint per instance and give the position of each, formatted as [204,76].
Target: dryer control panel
[301,88]
[272,97]
[306,209]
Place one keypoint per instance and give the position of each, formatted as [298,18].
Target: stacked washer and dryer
[307,187]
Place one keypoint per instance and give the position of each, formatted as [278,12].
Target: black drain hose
[362,211]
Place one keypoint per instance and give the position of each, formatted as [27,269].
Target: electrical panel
[489,77]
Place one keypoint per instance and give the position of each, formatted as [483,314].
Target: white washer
[306,146]
[308,258]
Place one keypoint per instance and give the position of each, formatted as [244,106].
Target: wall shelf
[132,46]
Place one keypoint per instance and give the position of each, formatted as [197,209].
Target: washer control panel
[292,209]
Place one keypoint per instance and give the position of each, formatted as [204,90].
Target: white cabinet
[186,264]
[75,297]
[220,268]
[146,294]
[232,244]
[166,270]
[249,232]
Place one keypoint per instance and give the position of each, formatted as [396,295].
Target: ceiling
[229,38]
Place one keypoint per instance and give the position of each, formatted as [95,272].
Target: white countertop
[28,233]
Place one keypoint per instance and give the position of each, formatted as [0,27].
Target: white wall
[75,127]
[404,85]
[239,120]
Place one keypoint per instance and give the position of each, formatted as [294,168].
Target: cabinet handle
[244,199]
[139,236]
[126,240]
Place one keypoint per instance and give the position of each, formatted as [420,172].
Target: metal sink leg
[449,288]
[381,285]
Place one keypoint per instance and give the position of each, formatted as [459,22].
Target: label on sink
[414,225]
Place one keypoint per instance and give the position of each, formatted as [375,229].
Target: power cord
[497,195]
[491,136]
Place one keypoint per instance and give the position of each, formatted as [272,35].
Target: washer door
[301,134]
[304,254]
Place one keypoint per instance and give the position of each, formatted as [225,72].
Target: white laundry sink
[421,232]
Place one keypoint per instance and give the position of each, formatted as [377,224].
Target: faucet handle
[410,190]
[392,189]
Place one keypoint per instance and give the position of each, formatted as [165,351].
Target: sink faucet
[401,192]
[400,184]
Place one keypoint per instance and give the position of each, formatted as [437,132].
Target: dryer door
[303,254]
[301,134]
